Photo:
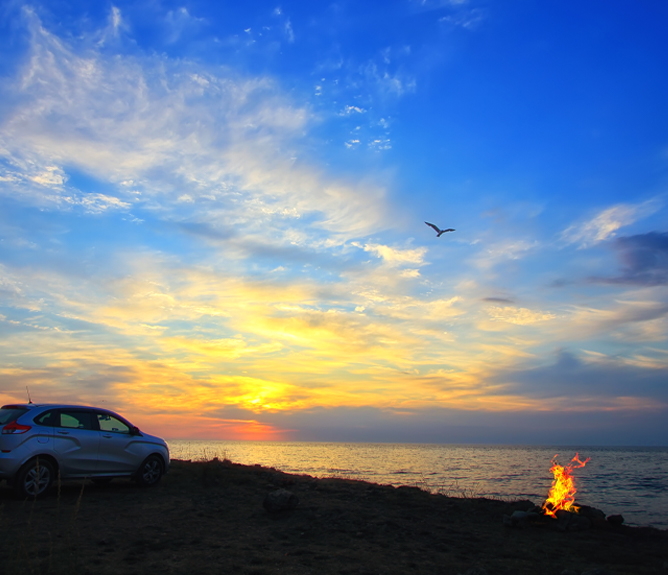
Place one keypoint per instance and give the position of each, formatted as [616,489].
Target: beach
[210,518]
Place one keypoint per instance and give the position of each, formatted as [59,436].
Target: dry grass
[25,546]
[452,489]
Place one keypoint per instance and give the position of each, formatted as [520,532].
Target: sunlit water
[630,481]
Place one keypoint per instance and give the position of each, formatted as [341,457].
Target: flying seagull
[439,231]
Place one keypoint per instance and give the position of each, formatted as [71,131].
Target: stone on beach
[280,500]
[615,519]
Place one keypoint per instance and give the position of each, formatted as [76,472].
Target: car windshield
[9,414]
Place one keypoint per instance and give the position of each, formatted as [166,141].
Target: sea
[631,481]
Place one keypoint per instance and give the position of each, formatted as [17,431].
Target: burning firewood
[562,493]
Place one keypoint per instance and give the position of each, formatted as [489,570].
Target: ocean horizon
[631,481]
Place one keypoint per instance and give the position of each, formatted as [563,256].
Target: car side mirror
[134,430]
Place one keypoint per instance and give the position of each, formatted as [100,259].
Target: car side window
[110,423]
[47,418]
[76,419]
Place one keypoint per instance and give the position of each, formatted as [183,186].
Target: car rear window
[48,418]
[11,413]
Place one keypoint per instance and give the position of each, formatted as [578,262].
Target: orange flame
[562,492]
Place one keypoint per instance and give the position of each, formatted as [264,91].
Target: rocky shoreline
[219,517]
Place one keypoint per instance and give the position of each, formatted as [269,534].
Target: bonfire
[562,492]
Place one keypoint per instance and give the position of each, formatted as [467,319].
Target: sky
[212,217]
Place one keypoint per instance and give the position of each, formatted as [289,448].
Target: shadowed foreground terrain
[208,517]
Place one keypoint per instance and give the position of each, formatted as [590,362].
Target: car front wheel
[35,478]
[150,471]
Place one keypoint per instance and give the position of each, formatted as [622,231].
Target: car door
[44,428]
[120,450]
[76,441]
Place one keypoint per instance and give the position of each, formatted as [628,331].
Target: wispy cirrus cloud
[168,127]
[467,19]
[395,256]
[460,13]
[606,223]
[518,315]
[115,26]
[494,253]
[428,5]
[98,203]
[388,82]
[179,23]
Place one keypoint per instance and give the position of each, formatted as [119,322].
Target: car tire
[150,471]
[34,479]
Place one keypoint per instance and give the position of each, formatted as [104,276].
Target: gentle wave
[629,481]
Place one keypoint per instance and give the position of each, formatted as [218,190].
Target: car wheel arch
[28,474]
[142,472]
[42,456]
[160,456]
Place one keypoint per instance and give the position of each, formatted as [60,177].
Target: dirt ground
[208,518]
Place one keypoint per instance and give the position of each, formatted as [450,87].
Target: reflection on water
[630,481]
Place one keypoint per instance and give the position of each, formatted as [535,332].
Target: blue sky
[212,217]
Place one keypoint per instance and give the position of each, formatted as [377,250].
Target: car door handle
[108,436]
[64,432]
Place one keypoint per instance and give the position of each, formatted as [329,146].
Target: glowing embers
[562,493]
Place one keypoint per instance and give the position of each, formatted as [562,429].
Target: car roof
[58,405]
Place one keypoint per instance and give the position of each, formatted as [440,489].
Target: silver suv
[38,443]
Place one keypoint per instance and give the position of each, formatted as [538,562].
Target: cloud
[582,382]
[98,203]
[410,273]
[52,176]
[644,258]
[497,300]
[429,5]
[518,316]
[170,126]
[467,19]
[115,24]
[380,144]
[348,110]
[227,348]
[443,425]
[458,12]
[285,26]
[289,33]
[395,256]
[604,225]
[496,253]
[388,83]
[635,317]
[179,23]
[115,19]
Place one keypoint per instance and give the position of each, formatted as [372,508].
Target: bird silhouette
[439,231]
